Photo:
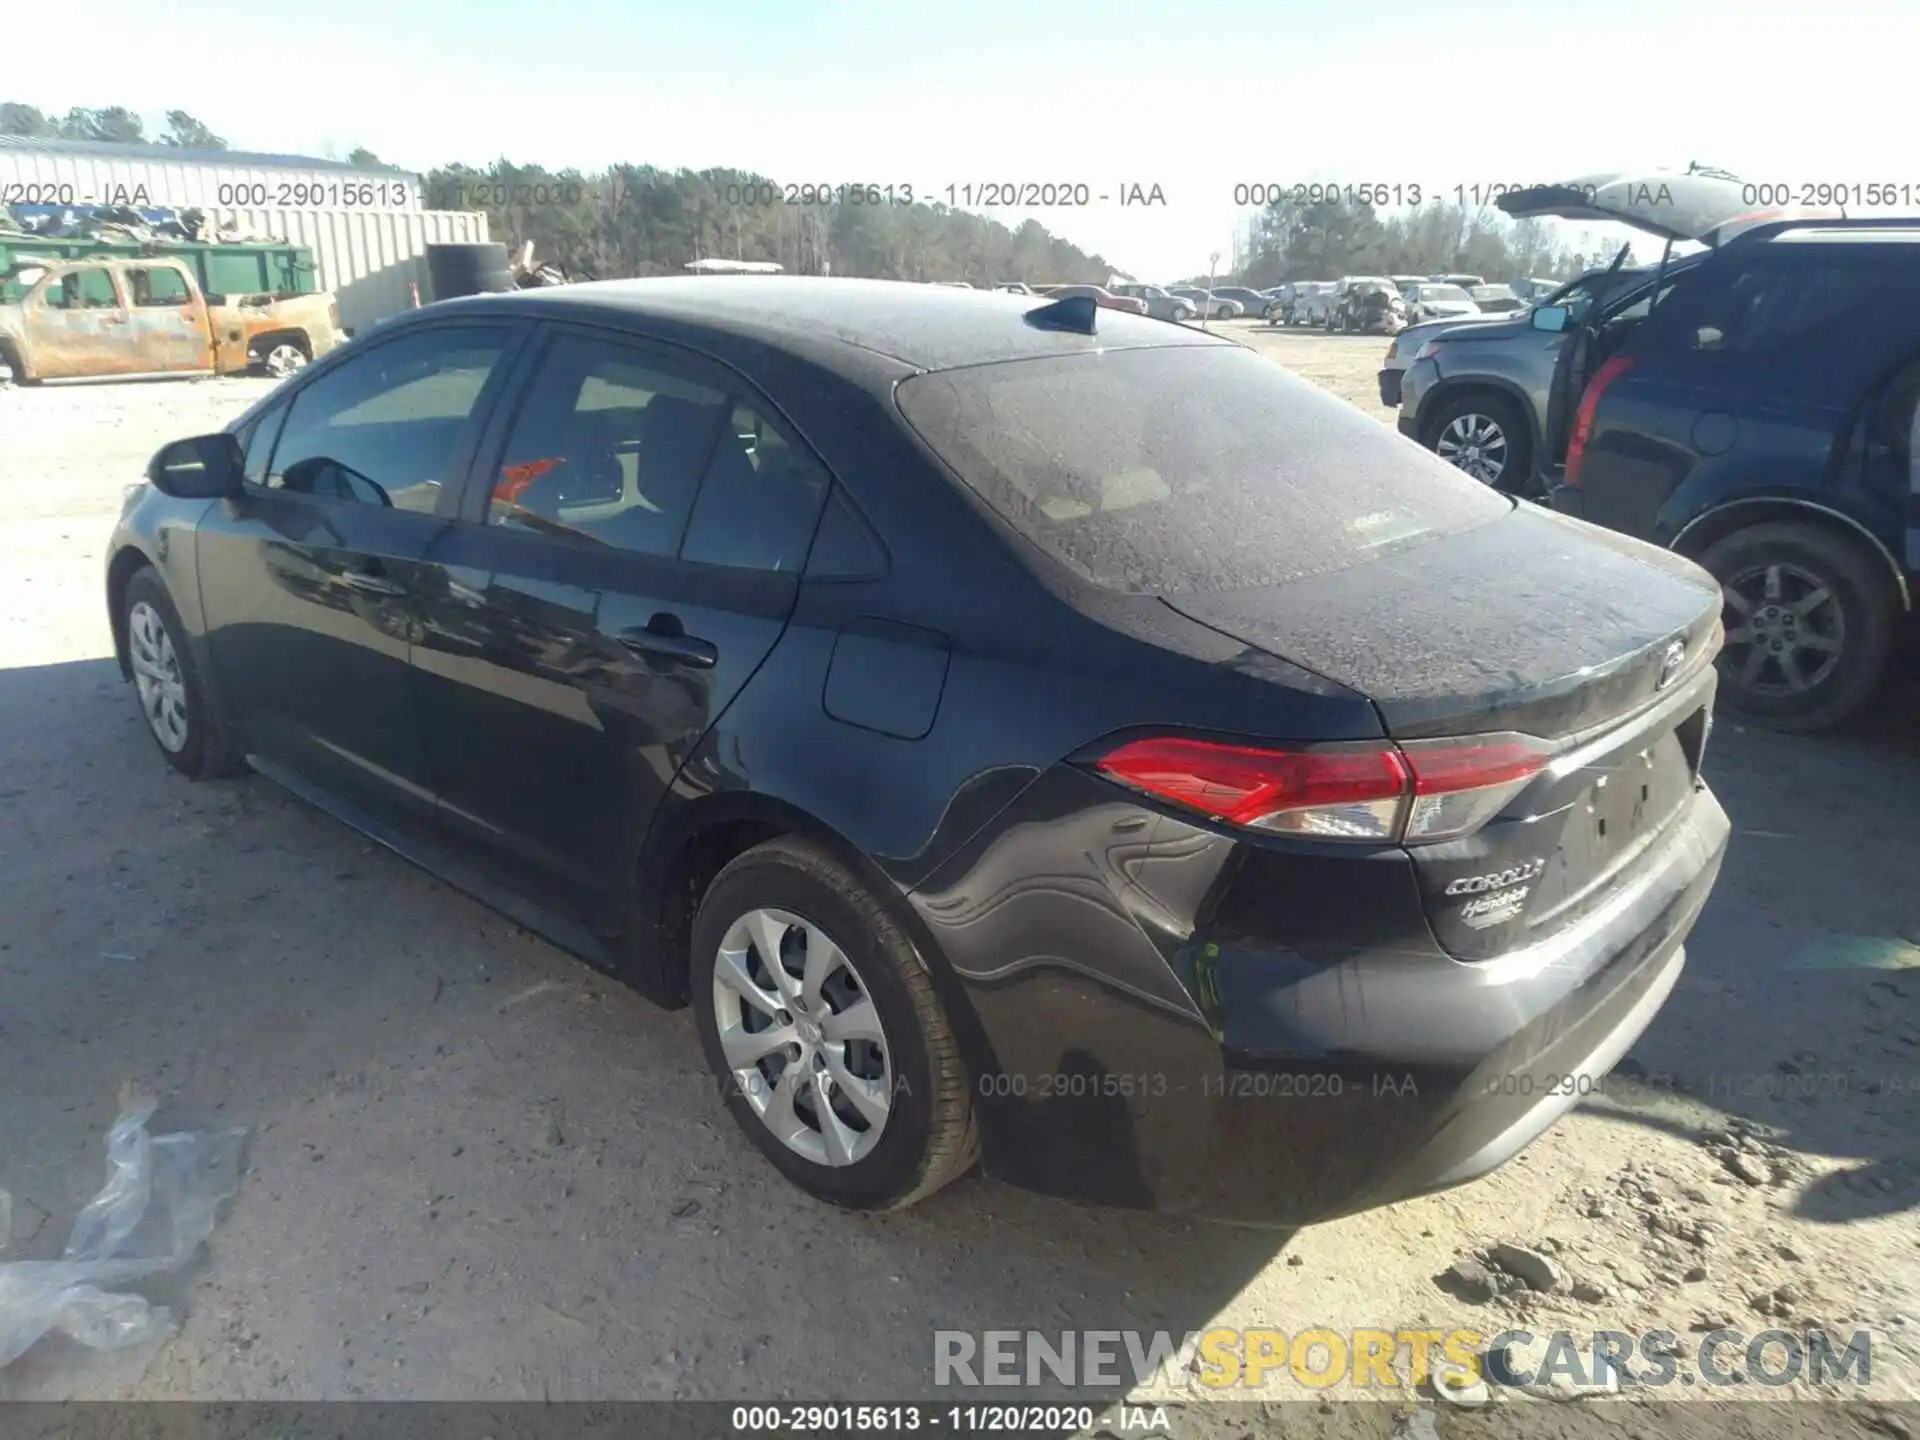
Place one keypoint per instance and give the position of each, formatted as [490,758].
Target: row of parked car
[1754,405]
[1368,302]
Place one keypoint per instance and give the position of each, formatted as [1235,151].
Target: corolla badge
[1671,663]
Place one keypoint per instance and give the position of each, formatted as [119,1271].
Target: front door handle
[686,650]
[371,584]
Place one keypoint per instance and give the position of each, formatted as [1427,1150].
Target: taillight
[1583,418]
[1420,792]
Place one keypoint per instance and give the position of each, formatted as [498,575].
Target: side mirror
[1551,318]
[206,467]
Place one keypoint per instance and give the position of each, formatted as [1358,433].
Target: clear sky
[1192,97]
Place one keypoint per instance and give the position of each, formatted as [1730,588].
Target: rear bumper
[1195,1024]
[1390,388]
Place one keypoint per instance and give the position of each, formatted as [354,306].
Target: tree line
[1328,238]
[633,220]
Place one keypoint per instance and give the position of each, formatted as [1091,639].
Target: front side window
[62,293]
[383,427]
[257,443]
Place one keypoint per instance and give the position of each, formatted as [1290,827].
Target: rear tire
[175,701]
[1811,618]
[790,895]
[284,355]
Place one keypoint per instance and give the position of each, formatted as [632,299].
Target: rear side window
[1765,307]
[609,448]
[158,286]
[1185,469]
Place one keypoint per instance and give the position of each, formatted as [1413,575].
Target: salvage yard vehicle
[1496,299]
[1160,304]
[1215,306]
[1251,302]
[147,316]
[1370,306]
[1313,299]
[1003,757]
[1430,301]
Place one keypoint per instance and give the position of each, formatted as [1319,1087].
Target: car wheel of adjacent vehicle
[1486,436]
[174,699]
[1810,619]
[819,1018]
[283,358]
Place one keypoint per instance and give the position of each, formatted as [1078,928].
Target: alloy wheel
[285,358]
[1785,629]
[157,678]
[1476,444]
[802,1038]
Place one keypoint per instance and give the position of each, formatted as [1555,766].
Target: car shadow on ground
[480,1169]
[476,1167]
[1799,1008]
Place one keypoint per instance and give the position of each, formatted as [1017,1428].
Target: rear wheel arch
[1708,528]
[679,866]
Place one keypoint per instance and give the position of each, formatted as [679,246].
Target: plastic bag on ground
[156,1209]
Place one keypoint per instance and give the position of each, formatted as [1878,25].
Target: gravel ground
[478,1170]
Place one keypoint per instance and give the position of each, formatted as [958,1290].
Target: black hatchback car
[1023,732]
[1761,419]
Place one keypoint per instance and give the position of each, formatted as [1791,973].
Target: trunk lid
[1537,625]
[1696,205]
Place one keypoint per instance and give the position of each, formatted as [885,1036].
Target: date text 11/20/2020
[966,195]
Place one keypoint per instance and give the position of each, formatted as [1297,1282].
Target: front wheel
[1486,436]
[820,1021]
[1810,618]
[175,701]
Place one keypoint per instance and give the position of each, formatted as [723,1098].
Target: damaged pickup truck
[87,319]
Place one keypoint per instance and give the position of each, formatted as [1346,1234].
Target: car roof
[925,327]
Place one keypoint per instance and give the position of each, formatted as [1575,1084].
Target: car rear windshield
[1180,469]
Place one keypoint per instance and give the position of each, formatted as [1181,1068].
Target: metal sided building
[368,229]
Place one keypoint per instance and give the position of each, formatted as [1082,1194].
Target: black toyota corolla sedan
[1027,734]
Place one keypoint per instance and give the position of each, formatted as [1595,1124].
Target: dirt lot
[479,1170]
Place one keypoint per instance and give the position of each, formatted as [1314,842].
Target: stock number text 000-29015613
[1388,193]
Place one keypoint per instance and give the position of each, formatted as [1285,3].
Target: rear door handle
[687,650]
[371,584]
